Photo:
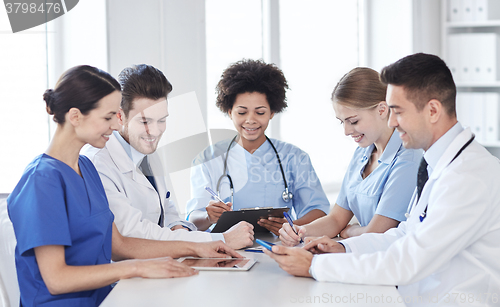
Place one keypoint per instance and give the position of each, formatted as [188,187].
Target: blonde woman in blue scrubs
[382,174]
[250,92]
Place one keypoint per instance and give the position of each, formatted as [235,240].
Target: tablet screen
[219,263]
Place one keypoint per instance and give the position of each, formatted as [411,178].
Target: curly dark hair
[248,76]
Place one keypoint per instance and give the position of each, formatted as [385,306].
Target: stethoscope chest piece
[287,196]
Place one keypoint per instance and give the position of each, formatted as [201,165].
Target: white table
[265,284]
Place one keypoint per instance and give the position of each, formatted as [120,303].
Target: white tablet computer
[218,264]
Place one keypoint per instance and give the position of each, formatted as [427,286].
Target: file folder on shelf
[486,10]
[492,115]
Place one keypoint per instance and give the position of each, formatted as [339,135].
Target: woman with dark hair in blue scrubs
[65,233]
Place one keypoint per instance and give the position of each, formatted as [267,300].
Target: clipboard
[251,215]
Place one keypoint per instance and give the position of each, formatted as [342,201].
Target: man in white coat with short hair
[132,174]
[447,251]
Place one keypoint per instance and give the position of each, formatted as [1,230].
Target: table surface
[265,284]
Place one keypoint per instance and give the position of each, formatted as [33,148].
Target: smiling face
[99,123]
[145,124]
[251,114]
[412,124]
[365,126]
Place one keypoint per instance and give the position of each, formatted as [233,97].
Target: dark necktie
[421,177]
[149,176]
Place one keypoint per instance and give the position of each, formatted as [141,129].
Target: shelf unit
[455,27]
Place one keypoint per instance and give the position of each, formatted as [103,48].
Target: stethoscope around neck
[286,195]
[424,214]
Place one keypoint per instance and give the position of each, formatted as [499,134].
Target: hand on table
[273,224]
[177,227]
[240,235]
[294,260]
[322,245]
[216,208]
[347,232]
[215,249]
[162,268]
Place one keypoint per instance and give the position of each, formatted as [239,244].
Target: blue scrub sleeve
[398,189]
[308,192]
[40,214]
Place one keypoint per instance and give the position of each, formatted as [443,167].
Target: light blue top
[53,205]
[388,189]
[257,178]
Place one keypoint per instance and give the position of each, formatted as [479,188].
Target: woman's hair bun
[48,96]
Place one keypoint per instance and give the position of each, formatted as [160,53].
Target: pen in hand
[289,219]
[209,190]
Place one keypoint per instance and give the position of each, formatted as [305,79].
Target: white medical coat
[134,201]
[455,250]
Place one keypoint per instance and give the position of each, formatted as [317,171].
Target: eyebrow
[255,108]
[347,117]
[394,107]
[112,113]
[144,117]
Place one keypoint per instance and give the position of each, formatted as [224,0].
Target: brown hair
[79,87]
[360,88]
[142,81]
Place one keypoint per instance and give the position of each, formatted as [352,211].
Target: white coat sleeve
[373,242]
[129,220]
[455,219]
[172,217]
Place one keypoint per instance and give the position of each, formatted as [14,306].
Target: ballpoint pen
[209,190]
[289,219]
[260,242]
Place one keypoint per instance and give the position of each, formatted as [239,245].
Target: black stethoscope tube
[286,195]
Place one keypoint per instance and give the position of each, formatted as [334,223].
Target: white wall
[388,31]
[427,26]
[167,34]
[396,28]
[170,35]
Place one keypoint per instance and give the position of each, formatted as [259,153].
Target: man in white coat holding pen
[132,174]
[447,251]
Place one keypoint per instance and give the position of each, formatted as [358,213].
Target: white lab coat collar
[435,152]
[457,143]
[132,153]
[124,163]
[449,153]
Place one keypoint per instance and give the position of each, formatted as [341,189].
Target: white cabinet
[471,48]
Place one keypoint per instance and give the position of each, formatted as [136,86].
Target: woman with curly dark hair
[251,170]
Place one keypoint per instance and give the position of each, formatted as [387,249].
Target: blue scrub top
[388,189]
[257,178]
[53,205]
